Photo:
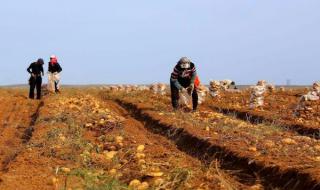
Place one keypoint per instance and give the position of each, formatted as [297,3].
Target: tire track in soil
[270,177]
[15,134]
[312,132]
[245,180]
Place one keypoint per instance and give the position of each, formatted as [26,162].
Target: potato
[140,155]
[134,183]
[110,155]
[155,174]
[140,148]
[288,141]
[65,170]
[53,181]
[119,139]
[143,186]
[113,172]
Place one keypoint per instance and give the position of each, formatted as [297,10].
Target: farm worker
[35,81]
[54,74]
[182,80]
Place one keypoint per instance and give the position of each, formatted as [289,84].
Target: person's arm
[194,74]
[29,69]
[176,83]
[59,68]
[193,77]
[174,78]
[42,70]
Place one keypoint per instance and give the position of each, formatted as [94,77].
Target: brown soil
[16,117]
[25,169]
[40,138]
[165,153]
[291,170]
[278,110]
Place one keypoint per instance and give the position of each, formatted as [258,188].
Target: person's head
[40,61]
[184,63]
[53,59]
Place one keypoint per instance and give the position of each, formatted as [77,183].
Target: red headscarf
[53,61]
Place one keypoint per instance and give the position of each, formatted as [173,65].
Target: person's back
[36,70]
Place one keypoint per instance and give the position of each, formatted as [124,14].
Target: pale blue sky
[139,41]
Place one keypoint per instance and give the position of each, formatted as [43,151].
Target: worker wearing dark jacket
[35,81]
[54,74]
[54,67]
[182,80]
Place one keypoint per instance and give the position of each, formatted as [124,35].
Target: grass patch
[92,180]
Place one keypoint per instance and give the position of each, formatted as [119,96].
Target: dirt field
[278,110]
[92,139]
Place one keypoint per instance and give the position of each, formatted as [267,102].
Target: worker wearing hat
[182,80]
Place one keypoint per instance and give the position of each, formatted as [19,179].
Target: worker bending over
[182,80]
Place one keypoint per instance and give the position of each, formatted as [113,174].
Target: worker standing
[182,80]
[35,81]
[54,74]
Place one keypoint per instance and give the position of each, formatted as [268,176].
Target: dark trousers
[35,82]
[56,86]
[175,94]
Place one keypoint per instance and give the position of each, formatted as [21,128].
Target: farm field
[90,138]
[278,110]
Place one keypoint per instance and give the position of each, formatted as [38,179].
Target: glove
[190,89]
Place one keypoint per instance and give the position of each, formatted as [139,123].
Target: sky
[139,42]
